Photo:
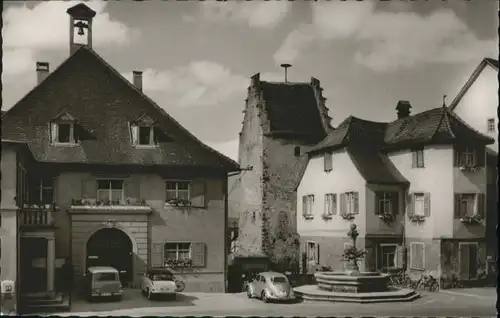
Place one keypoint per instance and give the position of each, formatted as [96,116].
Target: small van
[102,281]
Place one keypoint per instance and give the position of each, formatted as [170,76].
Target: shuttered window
[307,206]
[176,251]
[349,203]
[418,158]
[417,256]
[330,204]
[386,203]
[178,190]
[328,161]
[469,204]
[312,252]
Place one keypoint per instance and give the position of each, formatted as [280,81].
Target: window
[41,191]
[328,161]
[466,204]
[177,251]
[418,203]
[106,277]
[177,190]
[418,158]
[312,253]
[330,204]
[417,259]
[387,202]
[349,203]
[307,206]
[146,137]
[279,280]
[110,190]
[491,125]
[296,151]
[467,157]
[62,132]
[387,256]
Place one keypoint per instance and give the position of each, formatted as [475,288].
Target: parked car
[157,282]
[102,281]
[270,286]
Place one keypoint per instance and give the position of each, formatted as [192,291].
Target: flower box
[178,202]
[417,218]
[348,216]
[468,168]
[93,203]
[308,216]
[474,219]
[325,216]
[178,264]
[386,217]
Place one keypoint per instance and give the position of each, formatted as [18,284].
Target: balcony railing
[37,216]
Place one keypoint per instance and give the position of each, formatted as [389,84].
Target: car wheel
[249,293]
[264,297]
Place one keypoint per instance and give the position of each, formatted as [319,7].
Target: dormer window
[146,136]
[143,132]
[62,130]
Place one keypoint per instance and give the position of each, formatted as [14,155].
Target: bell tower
[80,24]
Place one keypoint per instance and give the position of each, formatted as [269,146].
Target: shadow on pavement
[132,299]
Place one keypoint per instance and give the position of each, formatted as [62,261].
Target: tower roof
[81,11]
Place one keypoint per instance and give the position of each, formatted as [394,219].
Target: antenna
[444,100]
[286,66]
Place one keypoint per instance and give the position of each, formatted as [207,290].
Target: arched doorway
[111,247]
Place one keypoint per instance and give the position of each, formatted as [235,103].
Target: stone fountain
[352,285]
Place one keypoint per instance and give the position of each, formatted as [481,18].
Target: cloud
[256,14]
[386,41]
[27,31]
[200,83]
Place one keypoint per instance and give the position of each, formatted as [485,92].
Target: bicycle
[426,282]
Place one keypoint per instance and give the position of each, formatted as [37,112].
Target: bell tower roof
[81,12]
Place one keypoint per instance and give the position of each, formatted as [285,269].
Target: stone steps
[311,293]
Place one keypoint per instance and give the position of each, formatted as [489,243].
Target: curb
[467,294]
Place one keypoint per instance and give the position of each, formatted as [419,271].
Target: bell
[80,31]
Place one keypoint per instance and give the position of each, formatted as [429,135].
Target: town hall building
[104,176]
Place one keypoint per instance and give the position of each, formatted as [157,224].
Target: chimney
[403,109]
[315,82]
[286,67]
[42,71]
[137,79]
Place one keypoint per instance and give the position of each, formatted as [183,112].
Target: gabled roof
[292,109]
[104,102]
[367,142]
[485,62]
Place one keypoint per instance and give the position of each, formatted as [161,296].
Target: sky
[198,57]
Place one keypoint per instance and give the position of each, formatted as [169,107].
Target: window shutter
[456,157]
[399,258]
[198,254]
[89,188]
[427,204]
[317,253]
[356,202]
[334,204]
[342,203]
[328,161]
[378,196]
[411,204]
[131,189]
[395,203]
[304,205]
[480,204]
[414,159]
[480,157]
[464,261]
[134,129]
[157,255]
[457,213]
[198,193]
[53,132]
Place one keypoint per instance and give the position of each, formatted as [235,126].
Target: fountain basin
[311,293]
[359,282]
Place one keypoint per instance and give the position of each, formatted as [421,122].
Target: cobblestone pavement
[199,304]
